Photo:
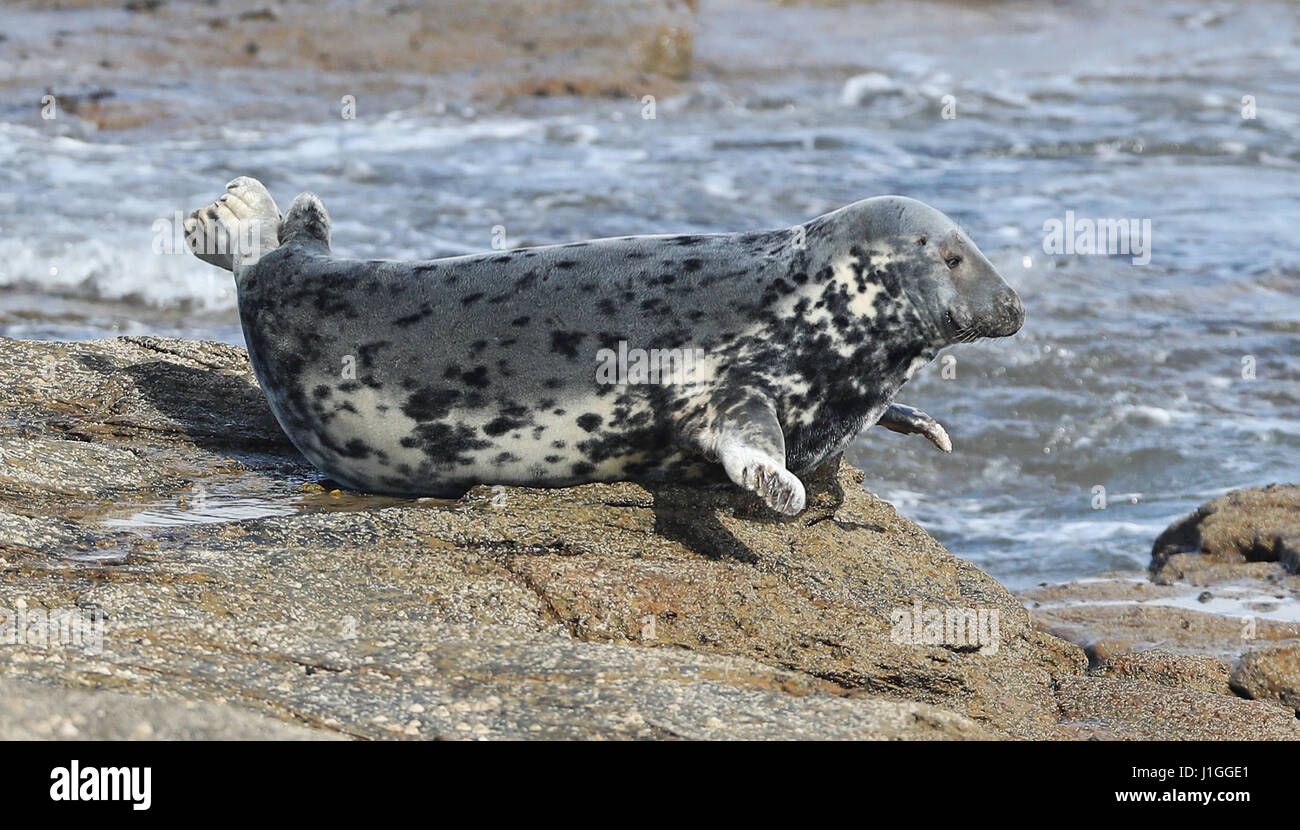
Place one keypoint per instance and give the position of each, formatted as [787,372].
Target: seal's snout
[994,310]
[1008,315]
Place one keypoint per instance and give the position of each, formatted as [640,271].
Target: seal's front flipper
[236,230]
[764,475]
[744,435]
[911,421]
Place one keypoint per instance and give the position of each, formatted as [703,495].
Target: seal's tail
[236,230]
[306,223]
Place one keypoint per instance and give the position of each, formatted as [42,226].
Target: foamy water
[1132,378]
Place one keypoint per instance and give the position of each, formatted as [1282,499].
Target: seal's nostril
[1014,309]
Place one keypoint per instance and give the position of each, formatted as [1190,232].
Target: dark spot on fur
[567,342]
[414,317]
[501,425]
[356,448]
[444,444]
[430,403]
[476,377]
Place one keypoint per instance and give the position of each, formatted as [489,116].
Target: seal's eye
[952,262]
[920,240]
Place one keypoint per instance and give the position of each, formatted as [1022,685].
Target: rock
[1270,674]
[42,469]
[1114,615]
[223,569]
[386,54]
[1170,630]
[1197,569]
[1103,707]
[31,712]
[1204,674]
[1261,524]
[510,612]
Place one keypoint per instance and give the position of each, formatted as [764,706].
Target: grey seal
[427,378]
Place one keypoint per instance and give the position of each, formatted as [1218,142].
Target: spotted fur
[427,378]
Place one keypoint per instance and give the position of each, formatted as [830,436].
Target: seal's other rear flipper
[307,222]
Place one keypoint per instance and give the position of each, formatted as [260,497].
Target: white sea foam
[1238,602]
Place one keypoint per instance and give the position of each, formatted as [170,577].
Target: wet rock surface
[1216,613]
[1120,613]
[402,53]
[153,490]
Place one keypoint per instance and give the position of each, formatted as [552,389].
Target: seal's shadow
[694,523]
[691,516]
[218,411]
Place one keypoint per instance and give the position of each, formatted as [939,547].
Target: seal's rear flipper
[236,230]
[909,421]
[306,223]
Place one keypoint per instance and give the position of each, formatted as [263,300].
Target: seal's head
[945,275]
